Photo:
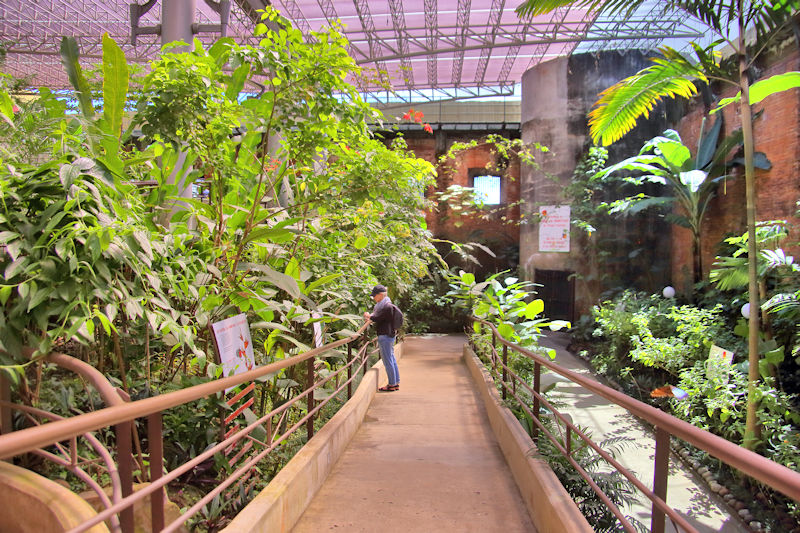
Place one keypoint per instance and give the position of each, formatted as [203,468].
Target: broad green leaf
[69,58]
[15,267]
[273,235]
[763,88]
[533,308]
[258,432]
[361,242]
[5,292]
[707,145]
[321,281]
[236,83]
[7,236]
[115,85]
[7,108]
[282,281]
[467,278]
[506,331]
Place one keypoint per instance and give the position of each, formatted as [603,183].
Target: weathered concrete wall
[556,98]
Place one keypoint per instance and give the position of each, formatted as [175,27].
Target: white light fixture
[746,311]
[668,292]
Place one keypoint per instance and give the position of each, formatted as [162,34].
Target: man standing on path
[383,316]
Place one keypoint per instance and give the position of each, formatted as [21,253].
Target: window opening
[487,188]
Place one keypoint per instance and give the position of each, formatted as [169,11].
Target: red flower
[427,127]
[15,109]
[408,114]
[418,116]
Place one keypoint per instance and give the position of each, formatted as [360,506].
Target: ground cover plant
[107,258]
[645,342]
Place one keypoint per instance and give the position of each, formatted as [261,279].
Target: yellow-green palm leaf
[619,106]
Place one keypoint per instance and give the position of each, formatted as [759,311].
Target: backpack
[397,318]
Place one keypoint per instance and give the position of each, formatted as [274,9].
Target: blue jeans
[386,344]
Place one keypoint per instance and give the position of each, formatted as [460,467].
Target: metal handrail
[29,439]
[121,416]
[768,472]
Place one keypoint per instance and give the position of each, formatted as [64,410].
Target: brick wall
[777,134]
[501,236]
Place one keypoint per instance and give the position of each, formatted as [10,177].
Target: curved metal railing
[121,415]
[758,467]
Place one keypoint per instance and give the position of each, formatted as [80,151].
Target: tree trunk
[697,260]
[751,423]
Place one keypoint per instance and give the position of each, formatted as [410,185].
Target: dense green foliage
[107,256]
[645,342]
[292,224]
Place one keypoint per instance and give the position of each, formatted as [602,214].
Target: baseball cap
[377,289]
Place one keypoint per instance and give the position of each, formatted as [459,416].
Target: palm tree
[621,105]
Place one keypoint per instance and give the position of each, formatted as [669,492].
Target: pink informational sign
[554,228]
[234,345]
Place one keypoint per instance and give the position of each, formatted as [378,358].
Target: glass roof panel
[437,49]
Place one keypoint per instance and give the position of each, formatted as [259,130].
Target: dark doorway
[558,292]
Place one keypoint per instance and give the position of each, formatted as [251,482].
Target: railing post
[569,441]
[537,386]
[156,444]
[349,371]
[310,379]
[657,524]
[505,364]
[125,468]
[6,420]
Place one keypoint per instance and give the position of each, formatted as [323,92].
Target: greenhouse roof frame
[424,49]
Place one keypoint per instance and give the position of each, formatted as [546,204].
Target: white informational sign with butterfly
[234,345]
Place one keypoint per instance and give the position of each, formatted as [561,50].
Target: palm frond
[534,8]
[767,16]
[729,273]
[620,105]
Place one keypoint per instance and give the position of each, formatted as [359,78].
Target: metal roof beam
[431,29]
[567,38]
[399,23]
[462,22]
[495,14]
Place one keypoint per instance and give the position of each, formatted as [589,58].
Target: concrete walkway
[424,460]
[686,492]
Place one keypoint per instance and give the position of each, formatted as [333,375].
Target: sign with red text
[554,228]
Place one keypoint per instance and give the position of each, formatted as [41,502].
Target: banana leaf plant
[691,182]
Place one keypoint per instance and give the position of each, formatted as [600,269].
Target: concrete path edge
[551,508]
[279,506]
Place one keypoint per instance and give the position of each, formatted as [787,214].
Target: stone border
[33,503]
[550,506]
[280,505]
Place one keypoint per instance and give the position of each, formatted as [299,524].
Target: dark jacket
[383,316]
